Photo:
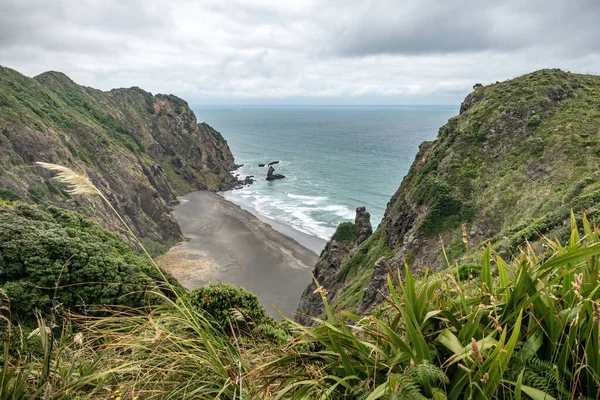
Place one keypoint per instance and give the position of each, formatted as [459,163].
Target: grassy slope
[511,167]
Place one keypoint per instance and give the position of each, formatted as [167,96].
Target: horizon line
[324,105]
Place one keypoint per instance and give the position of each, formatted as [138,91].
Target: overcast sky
[299,51]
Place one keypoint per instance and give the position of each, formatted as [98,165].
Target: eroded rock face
[324,272]
[141,150]
[362,221]
[377,289]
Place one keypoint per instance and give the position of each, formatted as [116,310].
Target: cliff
[142,150]
[510,167]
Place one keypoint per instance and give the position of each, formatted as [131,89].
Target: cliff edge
[510,167]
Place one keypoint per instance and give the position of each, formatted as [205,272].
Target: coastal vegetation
[486,264]
[509,168]
[50,257]
[522,329]
[528,328]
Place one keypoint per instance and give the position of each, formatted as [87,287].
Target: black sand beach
[230,245]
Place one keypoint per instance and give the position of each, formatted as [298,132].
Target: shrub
[534,120]
[229,306]
[9,195]
[468,271]
[40,248]
[345,232]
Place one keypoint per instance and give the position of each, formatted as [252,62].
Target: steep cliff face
[520,155]
[139,149]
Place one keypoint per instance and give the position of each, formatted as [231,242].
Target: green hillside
[521,154]
[141,149]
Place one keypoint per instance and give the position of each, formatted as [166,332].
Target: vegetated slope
[54,258]
[521,154]
[140,150]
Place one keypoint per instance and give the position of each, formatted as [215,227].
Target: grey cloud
[335,50]
[431,26]
[83,26]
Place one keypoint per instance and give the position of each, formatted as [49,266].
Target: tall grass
[527,328]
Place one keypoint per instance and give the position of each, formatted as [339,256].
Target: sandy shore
[230,245]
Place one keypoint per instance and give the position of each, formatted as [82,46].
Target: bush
[40,248]
[468,271]
[9,195]
[345,232]
[229,305]
[534,120]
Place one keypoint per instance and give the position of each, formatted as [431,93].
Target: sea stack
[271,175]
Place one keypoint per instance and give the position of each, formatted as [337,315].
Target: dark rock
[477,86]
[249,180]
[235,167]
[271,175]
[362,221]
[261,165]
[273,163]
[471,100]
[177,162]
[324,272]
[378,287]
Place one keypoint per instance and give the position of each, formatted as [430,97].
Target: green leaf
[378,392]
[486,272]
[519,385]
[504,281]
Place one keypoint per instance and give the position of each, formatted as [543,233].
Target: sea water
[335,158]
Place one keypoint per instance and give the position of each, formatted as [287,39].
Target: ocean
[335,158]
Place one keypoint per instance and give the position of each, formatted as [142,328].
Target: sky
[299,51]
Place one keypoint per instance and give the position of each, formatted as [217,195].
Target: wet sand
[230,245]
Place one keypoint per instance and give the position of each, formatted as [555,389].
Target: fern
[407,389]
[543,375]
[427,374]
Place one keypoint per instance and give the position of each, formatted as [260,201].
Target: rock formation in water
[141,150]
[271,175]
[511,166]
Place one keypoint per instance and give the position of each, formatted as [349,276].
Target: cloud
[268,51]
[431,26]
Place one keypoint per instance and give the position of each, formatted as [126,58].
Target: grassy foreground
[527,328]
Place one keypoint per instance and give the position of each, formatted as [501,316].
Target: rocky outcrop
[362,221]
[271,175]
[248,180]
[493,169]
[141,150]
[269,164]
[378,287]
[324,272]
